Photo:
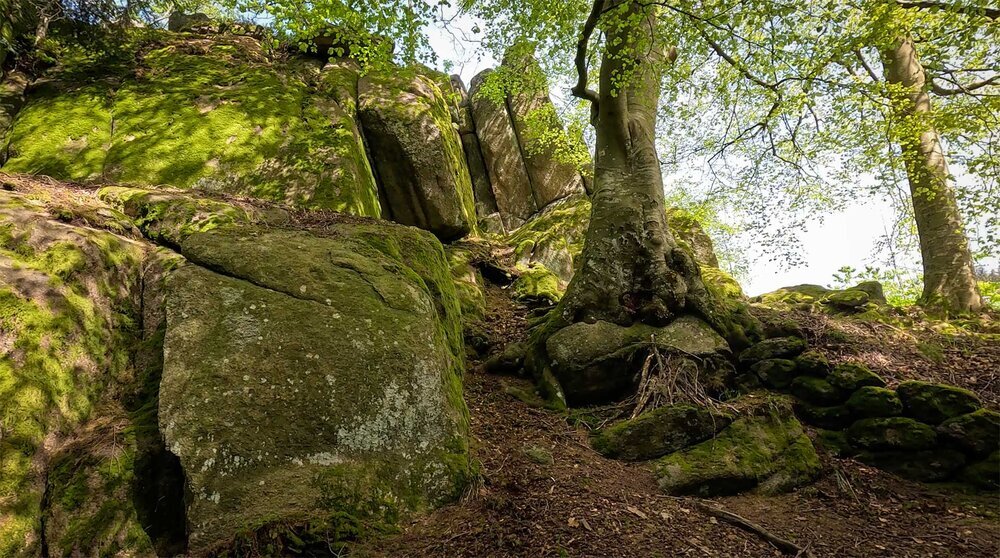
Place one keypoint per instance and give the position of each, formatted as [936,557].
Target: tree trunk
[632,269]
[949,279]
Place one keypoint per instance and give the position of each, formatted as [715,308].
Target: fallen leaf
[636,512]
[573,522]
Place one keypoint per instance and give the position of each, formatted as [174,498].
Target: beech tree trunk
[632,269]
[949,278]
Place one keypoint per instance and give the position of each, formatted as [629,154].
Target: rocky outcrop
[417,154]
[311,380]
[534,117]
[501,154]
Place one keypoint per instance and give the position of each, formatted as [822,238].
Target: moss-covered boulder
[817,391]
[417,153]
[311,383]
[767,451]
[851,376]
[935,403]
[600,361]
[835,442]
[977,433]
[778,347]
[813,363]
[686,228]
[554,237]
[468,282]
[208,112]
[798,294]
[874,401]
[68,314]
[536,284]
[891,433]
[924,466]
[983,474]
[846,299]
[659,432]
[775,372]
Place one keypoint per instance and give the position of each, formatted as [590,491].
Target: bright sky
[844,238]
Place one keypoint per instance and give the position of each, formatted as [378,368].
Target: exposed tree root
[784,545]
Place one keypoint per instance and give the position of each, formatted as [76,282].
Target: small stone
[817,391]
[813,363]
[976,433]
[873,401]
[775,372]
[891,433]
[935,403]
[539,455]
[778,347]
[850,377]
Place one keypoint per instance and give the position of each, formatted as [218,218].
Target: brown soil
[544,492]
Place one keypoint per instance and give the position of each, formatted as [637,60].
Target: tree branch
[991,13]
[580,90]
[945,92]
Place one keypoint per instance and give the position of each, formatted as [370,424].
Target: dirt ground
[545,492]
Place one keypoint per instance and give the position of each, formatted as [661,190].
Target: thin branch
[784,545]
[991,13]
[581,90]
[864,64]
[944,91]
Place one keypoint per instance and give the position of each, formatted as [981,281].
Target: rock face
[282,394]
[533,116]
[502,155]
[418,156]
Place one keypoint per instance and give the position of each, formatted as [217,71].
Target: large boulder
[501,153]
[600,361]
[935,403]
[417,153]
[659,432]
[68,296]
[311,382]
[200,112]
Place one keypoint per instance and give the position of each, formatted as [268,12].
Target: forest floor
[545,492]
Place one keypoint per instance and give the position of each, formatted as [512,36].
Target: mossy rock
[813,363]
[832,417]
[468,283]
[659,432]
[983,474]
[850,377]
[767,452]
[313,384]
[208,112]
[924,466]
[891,434]
[68,313]
[553,238]
[847,299]
[417,154]
[874,401]
[778,347]
[775,372]
[600,361]
[976,433]
[537,284]
[798,294]
[935,403]
[508,361]
[817,391]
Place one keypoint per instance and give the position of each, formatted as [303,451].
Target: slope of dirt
[544,492]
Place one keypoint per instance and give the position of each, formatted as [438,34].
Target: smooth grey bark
[949,278]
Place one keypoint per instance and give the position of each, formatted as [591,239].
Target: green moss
[934,403]
[554,237]
[63,131]
[892,433]
[817,391]
[874,401]
[659,432]
[65,307]
[537,283]
[212,113]
[851,376]
[768,451]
